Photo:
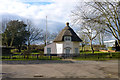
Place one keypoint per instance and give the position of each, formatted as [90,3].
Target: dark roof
[67,31]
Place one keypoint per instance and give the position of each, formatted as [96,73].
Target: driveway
[72,69]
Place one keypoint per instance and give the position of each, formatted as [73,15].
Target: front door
[67,50]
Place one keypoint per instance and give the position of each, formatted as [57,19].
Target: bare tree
[101,38]
[50,37]
[108,14]
[35,33]
[85,39]
[91,30]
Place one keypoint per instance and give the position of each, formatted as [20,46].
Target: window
[48,50]
[76,50]
[67,38]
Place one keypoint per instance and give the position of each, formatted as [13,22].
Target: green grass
[86,48]
[96,52]
[103,56]
[90,52]
[35,53]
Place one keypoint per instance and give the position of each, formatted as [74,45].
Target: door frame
[66,49]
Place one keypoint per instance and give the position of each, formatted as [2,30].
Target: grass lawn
[98,56]
[86,56]
[90,52]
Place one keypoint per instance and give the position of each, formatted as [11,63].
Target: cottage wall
[53,48]
[68,44]
[59,47]
[75,45]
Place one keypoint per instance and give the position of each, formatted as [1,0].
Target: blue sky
[38,3]
[57,11]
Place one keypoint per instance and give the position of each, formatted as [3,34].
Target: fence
[60,56]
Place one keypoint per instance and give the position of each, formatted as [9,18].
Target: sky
[57,11]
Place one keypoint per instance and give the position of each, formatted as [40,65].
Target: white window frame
[67,38]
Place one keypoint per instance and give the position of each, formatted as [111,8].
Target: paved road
[64,61]
[75,69]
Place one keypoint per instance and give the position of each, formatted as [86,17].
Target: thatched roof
[67,31]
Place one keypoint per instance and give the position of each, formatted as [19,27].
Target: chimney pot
[67,24]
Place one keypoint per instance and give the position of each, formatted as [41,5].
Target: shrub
[111,48]
[34,51]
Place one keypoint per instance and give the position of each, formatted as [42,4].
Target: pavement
[60,69]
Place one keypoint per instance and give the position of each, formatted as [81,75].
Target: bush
[111,48]
[35,51]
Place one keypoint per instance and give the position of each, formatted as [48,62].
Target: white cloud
[58,11]
[35,0]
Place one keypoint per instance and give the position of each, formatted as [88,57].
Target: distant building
[67,42]
[110,43]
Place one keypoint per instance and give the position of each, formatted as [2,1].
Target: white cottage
[67,42]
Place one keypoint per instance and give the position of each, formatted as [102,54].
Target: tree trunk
[28,49]
[6,41]
[19,48]
[118,43]
[102,40]
[91,46]
[45,42]
[28,45]
[11,43]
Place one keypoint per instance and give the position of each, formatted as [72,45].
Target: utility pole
[46,31]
